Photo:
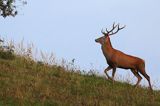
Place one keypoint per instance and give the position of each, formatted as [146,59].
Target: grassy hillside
[25,82]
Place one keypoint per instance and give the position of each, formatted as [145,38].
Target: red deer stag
[118,59]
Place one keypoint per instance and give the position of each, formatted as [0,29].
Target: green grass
[24,82]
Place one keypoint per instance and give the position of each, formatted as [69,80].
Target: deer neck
[107,48]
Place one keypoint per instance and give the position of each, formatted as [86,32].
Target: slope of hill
[25,82]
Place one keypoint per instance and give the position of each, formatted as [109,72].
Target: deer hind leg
[135,72]
[107,69]
[147,77]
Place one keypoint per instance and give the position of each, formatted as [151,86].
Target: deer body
[118,59]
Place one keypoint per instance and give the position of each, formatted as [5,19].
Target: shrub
[6,52]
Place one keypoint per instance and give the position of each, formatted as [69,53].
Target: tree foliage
[9,7]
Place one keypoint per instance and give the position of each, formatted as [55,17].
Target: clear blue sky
[68,28]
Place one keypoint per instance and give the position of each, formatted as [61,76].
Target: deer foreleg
[113,73]
[107,69]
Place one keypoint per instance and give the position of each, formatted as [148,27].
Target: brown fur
[118,59]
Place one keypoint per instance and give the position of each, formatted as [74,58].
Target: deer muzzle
[96,40]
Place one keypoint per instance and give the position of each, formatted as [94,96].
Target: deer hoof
[110,78]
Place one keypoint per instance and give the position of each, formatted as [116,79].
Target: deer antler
[119,28]
[113,27]
[110,32]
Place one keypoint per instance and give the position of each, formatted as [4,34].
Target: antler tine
[107,30]
[113,27]
[103,32]
[122,27]
[110,30]
[118,29]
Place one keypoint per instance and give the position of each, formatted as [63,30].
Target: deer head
[108,33]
